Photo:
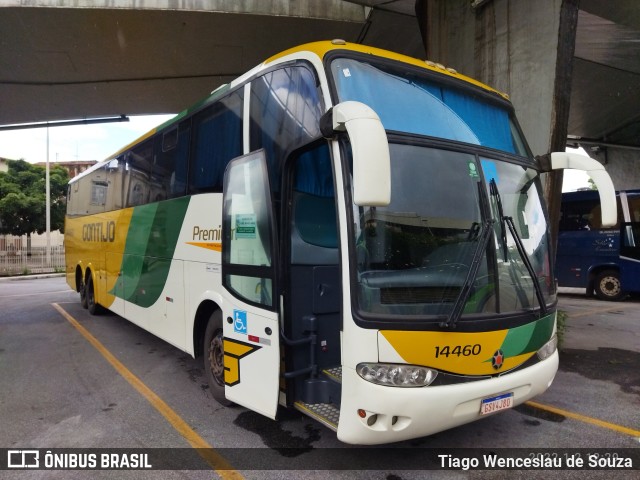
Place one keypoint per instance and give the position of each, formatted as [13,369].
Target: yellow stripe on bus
[215,246]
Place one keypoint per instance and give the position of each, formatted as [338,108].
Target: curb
[31,277]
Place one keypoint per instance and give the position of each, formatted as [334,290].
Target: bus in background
[602,260]
[342,230]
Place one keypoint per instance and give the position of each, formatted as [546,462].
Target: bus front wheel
[608,285]
[214,358]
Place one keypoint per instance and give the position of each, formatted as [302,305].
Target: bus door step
[326,413]
[334,374]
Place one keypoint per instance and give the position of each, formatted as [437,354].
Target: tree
[22,198]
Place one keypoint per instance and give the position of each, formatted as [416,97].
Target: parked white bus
[342,230]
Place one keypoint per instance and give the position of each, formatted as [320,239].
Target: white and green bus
[342,230]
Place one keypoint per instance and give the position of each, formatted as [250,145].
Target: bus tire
[608,285]
[213,349]
[90,296]
[83,295]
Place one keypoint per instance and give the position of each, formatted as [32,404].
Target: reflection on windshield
[453,114]
[414,256]
[517,196]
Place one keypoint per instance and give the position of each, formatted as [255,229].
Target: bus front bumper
[407,413]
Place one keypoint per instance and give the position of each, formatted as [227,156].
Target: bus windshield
[414,256]
[417,104]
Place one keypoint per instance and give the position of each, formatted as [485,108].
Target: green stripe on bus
[528,338]
[151,243]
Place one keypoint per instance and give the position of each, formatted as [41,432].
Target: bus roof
[322,48]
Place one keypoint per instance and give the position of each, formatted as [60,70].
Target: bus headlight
[548,348]
[393,375]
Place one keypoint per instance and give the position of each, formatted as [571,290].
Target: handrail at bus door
[312,327]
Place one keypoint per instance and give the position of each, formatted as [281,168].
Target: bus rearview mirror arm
[369,147]
[596,171]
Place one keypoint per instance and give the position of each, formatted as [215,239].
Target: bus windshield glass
[407,102]
[414,257]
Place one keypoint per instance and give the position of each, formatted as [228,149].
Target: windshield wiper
[493,188]
[527,263]
[465,290]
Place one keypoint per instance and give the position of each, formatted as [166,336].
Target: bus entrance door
[250,320]
[252,358]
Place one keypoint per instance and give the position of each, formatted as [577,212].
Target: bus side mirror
[370,150]
[600,177]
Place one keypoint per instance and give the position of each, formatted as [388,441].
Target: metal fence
[16,258]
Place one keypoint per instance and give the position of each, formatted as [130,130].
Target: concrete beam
[64,63]
[621,163]
[326,9]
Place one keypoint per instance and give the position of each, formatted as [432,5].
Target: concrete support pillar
[520,47]
[621,163]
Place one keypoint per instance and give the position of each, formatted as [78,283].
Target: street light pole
[48,206]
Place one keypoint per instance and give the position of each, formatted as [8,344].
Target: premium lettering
[207,234]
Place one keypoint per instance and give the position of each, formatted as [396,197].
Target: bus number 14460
[464,350]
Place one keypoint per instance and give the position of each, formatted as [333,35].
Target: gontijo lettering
[99,231]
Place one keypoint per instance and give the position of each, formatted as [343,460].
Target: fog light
[396,375]
[548,348]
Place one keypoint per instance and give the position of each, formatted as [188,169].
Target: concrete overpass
[77,58]
[572,67]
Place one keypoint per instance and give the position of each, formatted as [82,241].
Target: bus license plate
[494,404]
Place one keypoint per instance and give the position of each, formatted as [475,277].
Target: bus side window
[139,161]
[634,207]
[285,113]
[164,159]
[247,248]
[578,216]
[216,139]
[178,175]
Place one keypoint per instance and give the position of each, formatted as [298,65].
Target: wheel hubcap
[610,286]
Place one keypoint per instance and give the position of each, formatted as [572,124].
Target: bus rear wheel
[608,285]
[90,298]
[83,295]
[214,358]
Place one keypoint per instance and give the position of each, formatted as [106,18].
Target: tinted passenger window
[217,138]
[285,114]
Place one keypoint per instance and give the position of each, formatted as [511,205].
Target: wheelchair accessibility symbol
[240,321]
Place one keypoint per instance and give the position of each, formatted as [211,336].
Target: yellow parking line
[214,459]
[585,419]
[597,310]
